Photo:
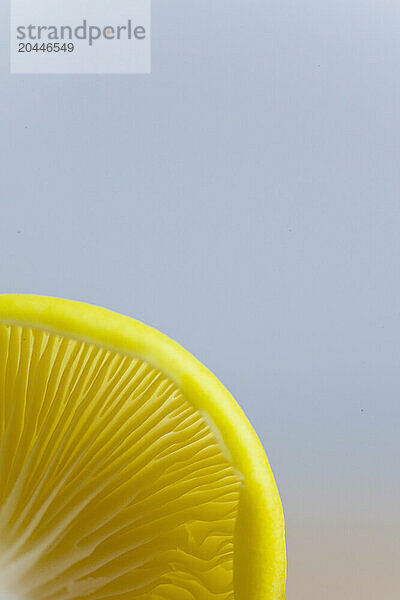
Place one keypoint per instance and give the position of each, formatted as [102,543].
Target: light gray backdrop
[243,199]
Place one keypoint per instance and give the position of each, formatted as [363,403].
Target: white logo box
[80,36]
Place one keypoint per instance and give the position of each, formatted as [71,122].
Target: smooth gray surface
[243,199]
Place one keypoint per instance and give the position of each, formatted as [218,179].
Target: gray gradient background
[245,200]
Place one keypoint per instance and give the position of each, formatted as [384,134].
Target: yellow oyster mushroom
[127,470]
